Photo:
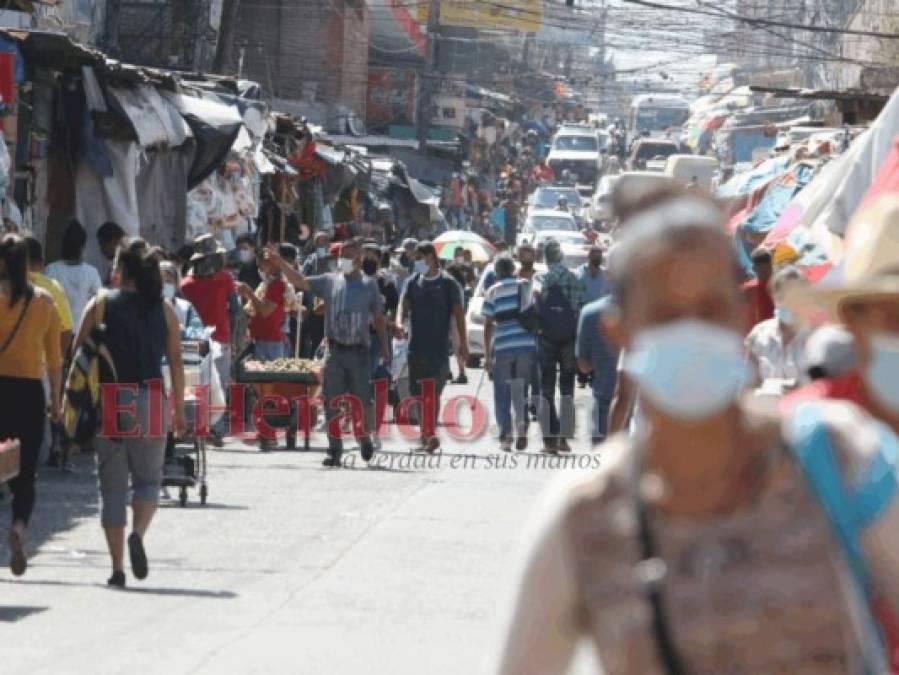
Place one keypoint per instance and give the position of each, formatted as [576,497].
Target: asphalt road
[397,567]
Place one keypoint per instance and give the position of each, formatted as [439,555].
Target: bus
[658,115]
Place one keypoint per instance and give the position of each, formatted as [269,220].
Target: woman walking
[140,330]
[29,344]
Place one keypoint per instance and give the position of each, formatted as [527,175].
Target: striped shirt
[503,299]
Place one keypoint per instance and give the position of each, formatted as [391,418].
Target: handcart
[185,466]
[293,386]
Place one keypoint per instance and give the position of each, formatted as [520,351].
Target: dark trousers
[347,373]
[556,357]
[420,371]
[23,416]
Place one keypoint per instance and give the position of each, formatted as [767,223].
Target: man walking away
[352,303]
[593,276]
[597,356]
[432,299]
[510,351]
[560,300]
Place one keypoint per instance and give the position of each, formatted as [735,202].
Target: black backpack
[557,318]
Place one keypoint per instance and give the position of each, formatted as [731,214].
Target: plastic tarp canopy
[887,178]
[746,183]
[868,153]
[155,121]
[778,195]
[215,127]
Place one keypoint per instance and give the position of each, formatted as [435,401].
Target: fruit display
[282,366]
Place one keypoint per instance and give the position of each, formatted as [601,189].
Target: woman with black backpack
[138,329]
[29,344]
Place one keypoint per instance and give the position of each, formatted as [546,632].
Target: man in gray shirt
[352,304]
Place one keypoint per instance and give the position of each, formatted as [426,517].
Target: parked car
[545,220]
[578,152]
[650,154]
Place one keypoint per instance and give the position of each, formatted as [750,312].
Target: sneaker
[331,462]
[266,444]
[432,445]
[217,440]
[505,444]
[139,566]
[563,446]
[521,443]
[117,579]
[462,379]
[549,447]
[366,448]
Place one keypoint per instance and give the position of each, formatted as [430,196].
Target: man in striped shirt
[510,350]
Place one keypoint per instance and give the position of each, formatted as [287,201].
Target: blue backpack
[849,509]
[557,318]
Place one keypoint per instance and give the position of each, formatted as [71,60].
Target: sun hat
[869,269]
[206,245]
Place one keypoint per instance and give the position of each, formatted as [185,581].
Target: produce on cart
[292,378]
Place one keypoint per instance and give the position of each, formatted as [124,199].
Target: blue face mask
[421,267]
[785,316]
[321,252]
[882,374]
[689,369]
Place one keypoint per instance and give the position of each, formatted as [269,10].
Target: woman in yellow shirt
[29,340]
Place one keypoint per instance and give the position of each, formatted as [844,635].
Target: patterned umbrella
[449,242]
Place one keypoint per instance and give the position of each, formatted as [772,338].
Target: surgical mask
[882,374]
[421,267]
[246,256]
[689,369]
[321,252]
[168,290]
[785,316]
[370,267]
[345,265]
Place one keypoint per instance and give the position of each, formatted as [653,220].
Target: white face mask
[688,369]
[246,256]
[168,290]
[421,267]
[344,265]
[882,374]
[321,252]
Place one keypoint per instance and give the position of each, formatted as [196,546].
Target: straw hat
[870,266]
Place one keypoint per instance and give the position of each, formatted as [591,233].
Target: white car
[578,152]
[545,220]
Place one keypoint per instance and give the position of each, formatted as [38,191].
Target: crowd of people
[742,521]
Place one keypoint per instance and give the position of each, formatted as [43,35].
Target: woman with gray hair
[697,546]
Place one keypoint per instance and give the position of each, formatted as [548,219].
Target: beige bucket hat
[870,266]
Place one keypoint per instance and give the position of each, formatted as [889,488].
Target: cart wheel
[204,493]
[182,497]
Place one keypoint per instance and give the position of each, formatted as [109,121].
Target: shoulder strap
[666,651]
[15,329]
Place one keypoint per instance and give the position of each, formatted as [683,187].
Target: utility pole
[428,75]
[224,48]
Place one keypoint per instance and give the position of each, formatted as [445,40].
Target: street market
[449,339]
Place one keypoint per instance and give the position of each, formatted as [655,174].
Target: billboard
[517,15]
[392,97]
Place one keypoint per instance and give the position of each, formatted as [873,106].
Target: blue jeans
[265,350]
[605,375]
[511,373]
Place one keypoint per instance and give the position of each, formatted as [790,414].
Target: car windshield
[660,118]
[551,223]
[580,143]
[548,198]
[652,150]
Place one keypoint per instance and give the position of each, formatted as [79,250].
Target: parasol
[449,242]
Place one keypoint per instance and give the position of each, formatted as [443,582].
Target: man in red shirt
[209,288]
[266,308]
[759,303]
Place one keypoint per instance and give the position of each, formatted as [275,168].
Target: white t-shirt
[80,281]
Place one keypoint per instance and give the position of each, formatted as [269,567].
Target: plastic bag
[400,358]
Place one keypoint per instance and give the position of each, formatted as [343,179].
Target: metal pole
[426,88]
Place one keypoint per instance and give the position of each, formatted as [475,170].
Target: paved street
[291,568]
